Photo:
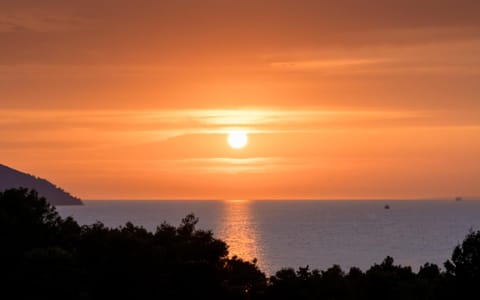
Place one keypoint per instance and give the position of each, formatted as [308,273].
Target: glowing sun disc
[237,139]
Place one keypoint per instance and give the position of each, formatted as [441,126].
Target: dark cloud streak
[158,31]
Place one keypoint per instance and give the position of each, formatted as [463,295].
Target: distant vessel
[458,198]
[386,206]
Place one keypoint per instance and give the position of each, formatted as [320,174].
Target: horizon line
[470,198]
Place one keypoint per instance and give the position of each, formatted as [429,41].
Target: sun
[237,139]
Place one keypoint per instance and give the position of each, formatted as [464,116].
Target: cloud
[143,129]
[38,24]
[318,65]
[182,54]
[162,31]
[137,95]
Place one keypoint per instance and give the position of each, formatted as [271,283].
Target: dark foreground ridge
[44,256]
[11,178]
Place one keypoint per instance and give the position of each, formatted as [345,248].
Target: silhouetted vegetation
[44,256]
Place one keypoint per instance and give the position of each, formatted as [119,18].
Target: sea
[299,233]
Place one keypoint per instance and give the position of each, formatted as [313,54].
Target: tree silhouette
[464,266]
[44,256]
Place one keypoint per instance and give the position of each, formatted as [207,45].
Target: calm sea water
[315,233]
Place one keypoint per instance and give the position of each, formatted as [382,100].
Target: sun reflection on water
[240,232]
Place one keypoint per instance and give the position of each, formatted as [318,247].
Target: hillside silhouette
[11,178]
[45,256]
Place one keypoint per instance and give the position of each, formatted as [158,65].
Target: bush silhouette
[463,268]
[44,256]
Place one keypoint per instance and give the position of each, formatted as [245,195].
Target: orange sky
[341,99]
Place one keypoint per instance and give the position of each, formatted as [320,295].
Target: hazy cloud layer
[341,98]
[158,31]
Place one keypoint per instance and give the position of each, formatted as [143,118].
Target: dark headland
[11,178]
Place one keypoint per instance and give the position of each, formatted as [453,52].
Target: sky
[340,99]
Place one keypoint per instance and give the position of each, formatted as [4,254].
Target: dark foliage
[44,256]
[463,269]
